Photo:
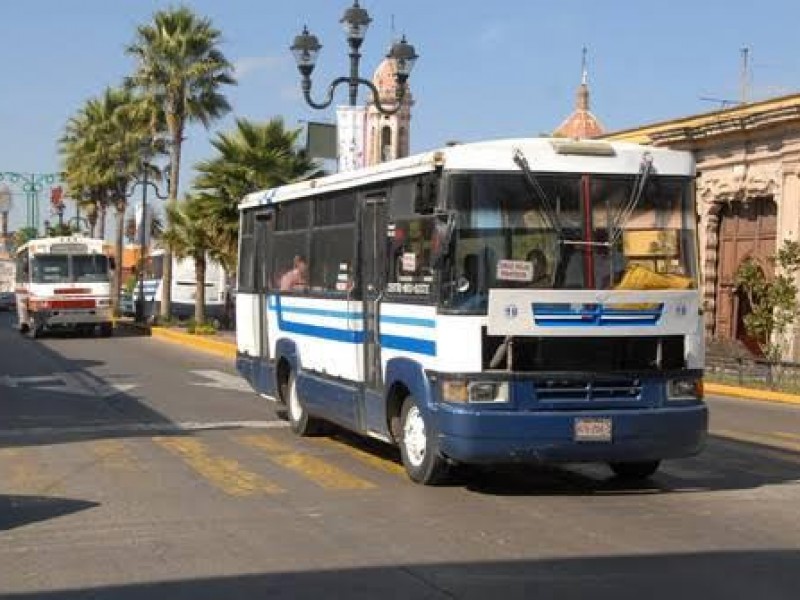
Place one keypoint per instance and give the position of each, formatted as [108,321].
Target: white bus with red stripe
[64,282]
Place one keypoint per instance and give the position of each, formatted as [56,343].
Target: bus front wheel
[634,471]
[300,421]
[418,451]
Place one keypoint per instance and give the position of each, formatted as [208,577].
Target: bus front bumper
[72,317]
[539,437]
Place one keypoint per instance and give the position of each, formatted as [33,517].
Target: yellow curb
[750,393]
[197,342]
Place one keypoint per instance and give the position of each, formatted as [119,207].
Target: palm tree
[180,67]
[188,236]
[252,157]
[99,151]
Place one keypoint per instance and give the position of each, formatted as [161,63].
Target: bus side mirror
[112,263]
[445,226]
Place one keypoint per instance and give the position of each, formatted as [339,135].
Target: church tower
[581,124]
[388,136]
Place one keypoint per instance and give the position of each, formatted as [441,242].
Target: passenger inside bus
[297,276]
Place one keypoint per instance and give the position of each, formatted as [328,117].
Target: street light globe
[355,21]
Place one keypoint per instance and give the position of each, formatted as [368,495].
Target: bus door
[264,228]
[373,284]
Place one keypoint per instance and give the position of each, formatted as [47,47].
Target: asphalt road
[131,468]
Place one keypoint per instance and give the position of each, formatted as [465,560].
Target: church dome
[581,124]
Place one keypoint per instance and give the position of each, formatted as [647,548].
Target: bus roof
[67,244]
[546,155]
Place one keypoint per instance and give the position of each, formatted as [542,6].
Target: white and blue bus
[516,300]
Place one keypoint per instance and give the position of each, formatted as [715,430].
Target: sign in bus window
[411,269]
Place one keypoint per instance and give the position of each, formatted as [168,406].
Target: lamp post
[5,207]
[31,184]
[127,184]
[356,20]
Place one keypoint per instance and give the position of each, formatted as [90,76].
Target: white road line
[123,428]
[220,380]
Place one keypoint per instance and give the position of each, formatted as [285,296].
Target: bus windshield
[578,232]
[69,268]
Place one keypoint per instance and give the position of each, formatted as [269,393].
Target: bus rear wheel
[300,421]
[418,451]
[635,471]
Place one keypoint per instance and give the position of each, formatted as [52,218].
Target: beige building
[748,194]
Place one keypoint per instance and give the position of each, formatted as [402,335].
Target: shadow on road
[769,574]
[47,397]
[16,511]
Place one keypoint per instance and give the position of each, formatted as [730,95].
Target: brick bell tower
[388,136]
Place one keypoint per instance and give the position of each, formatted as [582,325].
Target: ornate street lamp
[5,207]
[126,184]
[31,184]
[306,47]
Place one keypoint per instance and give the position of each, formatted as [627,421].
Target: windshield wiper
[549,213]
[637,190]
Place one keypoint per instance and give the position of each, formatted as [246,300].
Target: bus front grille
[575,390]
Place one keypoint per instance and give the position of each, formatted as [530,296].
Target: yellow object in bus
[637,277]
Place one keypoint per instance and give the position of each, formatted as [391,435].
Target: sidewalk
[224,344]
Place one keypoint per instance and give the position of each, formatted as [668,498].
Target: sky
[486,69]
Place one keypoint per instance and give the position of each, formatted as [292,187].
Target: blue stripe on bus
[326,333]
[392,342]
[593,315]
[396,342]
[317,312]
[412,321]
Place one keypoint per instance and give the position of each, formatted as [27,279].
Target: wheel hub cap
[414,438]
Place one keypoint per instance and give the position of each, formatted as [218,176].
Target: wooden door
[746,229]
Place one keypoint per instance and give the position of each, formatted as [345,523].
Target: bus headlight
[488,391]
[684,389]
[462,391]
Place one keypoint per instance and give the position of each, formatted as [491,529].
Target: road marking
[75,383]
[377,462]
[758,438]
[222,381]
[787,435]
[225,474]
[115,455]
[322,473]
[27,474]
[134,428]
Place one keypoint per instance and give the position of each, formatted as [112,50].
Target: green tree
[180,68]
[100,153]
[772,301]
[24,235]
[254,156]
[188,236]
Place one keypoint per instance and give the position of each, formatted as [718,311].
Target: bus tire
[418,451]
[635,471]
[107,329]
[300,421]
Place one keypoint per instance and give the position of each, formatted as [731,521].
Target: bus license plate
[592,430]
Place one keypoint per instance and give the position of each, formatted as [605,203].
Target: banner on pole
[351,122]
